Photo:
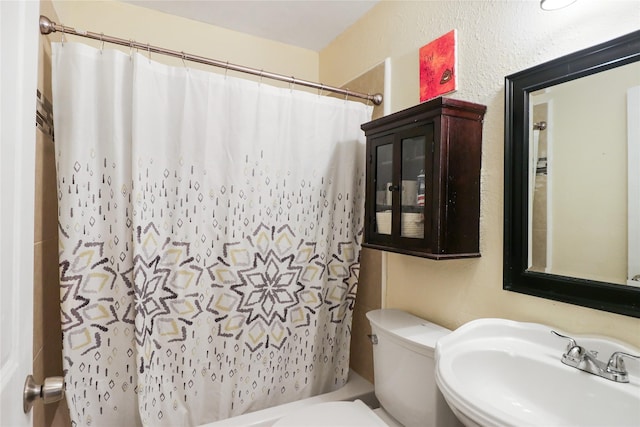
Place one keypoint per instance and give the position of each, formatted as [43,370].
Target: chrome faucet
[578,357]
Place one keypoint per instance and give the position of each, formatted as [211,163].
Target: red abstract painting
[438,67]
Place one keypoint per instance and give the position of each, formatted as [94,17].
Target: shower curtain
[209,239]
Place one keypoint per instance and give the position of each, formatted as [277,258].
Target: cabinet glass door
[412,187]
[383,185]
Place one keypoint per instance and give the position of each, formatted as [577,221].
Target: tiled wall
[369,298]
[369,284]
[47,335]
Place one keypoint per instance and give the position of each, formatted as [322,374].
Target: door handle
[50,391]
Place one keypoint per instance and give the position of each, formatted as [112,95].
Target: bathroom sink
[497,372]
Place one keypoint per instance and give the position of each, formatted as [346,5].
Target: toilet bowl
[404,371]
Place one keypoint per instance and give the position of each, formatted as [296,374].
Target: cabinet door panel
[416,165]
[383,184]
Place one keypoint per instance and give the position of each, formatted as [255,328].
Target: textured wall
[495,38]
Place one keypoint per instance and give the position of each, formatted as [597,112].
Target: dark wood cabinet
[423,180]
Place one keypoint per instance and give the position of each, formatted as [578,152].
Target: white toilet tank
[404,369]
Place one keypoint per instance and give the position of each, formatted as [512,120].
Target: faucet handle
[616,363]
[574,353]
[572,343]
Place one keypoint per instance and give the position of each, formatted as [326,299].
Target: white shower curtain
[209,239]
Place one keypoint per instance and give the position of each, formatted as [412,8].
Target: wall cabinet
[423,180]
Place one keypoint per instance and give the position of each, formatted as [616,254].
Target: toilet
[404,371]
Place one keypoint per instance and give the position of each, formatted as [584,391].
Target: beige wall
[495,38]
[143,25]
[588,127]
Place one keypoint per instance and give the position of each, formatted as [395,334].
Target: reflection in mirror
[539,227]
[578,176]
[572,178]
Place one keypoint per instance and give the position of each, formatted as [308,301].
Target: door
[18,76]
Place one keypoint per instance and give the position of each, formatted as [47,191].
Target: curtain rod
[47,27]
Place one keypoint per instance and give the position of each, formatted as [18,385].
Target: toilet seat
[332,414]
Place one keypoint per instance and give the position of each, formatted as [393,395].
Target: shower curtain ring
[346,94]
[226,70]
[62,36]
[149,52]
[102,43]
[292,83]
[261,73]
[183,62]
[130,48]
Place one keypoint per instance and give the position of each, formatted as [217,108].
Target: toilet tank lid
[407,327]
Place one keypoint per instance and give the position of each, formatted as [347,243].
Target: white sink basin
[496,372]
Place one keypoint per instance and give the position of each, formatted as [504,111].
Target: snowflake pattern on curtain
[210,286]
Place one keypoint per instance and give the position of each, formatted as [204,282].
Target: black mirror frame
[609,297]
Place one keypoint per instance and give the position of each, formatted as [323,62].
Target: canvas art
[438,74]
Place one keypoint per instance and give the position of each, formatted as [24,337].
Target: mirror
[572,187]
